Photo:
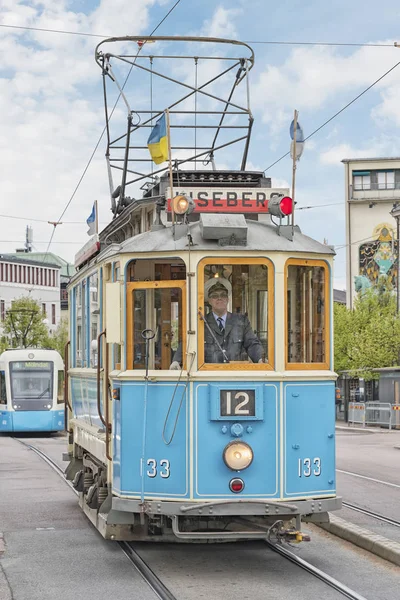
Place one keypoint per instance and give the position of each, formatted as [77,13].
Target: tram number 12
[309,466]
[153,470]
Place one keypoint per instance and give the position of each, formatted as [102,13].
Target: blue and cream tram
[181,426]
[31,390]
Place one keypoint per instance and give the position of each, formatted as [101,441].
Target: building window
[20,274]
[2,310]
[1,272]
[385,180]
[44,313]
[361,180]
[24,274]
[53,314]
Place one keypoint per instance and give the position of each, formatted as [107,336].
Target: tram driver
[227,336]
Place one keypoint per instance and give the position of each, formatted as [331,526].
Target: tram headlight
[238,455]
[182,205]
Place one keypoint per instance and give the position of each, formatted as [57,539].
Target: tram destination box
[224,227]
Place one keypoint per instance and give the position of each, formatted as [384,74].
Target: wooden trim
[149,285]
[305,262]
[235,366]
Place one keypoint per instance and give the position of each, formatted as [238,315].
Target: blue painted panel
[32,420]
[116,439]
[5,420]
[309,444]
[84,400]
[171,479]
[211,475]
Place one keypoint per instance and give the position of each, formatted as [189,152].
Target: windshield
[31,380]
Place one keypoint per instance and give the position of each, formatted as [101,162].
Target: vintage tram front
[222,445]
[200,384]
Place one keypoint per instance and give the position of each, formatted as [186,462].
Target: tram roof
[260,236]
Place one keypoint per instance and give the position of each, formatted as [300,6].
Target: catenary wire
[102,133]
[268,42]
[338,113]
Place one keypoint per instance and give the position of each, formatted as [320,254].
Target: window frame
[306,262]
[237,366]
[151,285]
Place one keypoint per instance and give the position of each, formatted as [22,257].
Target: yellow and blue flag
[158,141]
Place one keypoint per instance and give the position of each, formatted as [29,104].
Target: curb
[364,429]
[377,544]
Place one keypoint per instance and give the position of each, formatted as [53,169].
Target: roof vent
[229,230]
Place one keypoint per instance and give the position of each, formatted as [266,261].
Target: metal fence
[382,414]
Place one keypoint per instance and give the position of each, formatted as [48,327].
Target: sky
[52,115]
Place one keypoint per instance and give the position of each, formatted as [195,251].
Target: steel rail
[137,561]
[145,571]
[306,566]
[370,513]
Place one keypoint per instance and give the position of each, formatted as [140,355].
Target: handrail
[108,424]
[66,367]
[102,419]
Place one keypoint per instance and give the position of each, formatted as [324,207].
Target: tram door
[157,306]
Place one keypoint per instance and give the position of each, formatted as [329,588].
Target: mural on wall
[378,258]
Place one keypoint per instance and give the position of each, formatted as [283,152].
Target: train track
[160,590]
[370,513]
[163,592]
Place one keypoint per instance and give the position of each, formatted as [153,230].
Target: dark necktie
[220,324]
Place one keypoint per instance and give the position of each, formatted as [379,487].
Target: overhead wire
[267,42]
[337,113]
[104,129]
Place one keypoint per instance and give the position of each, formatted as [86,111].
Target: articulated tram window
[158,307]
[235,313]
[307,313]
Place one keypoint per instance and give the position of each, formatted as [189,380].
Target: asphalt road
[53,552]
[373,456]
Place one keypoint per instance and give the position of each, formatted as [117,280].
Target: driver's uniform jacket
[237,339]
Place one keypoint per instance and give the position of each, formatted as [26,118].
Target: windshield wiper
[43,393]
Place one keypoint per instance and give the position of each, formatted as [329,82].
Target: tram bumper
[309,510]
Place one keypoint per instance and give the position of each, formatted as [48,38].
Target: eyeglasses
[218,296]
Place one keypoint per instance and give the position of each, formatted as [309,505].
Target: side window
[94,310]
[80,329]
[236,313]
[307,313]
[159,307]
[60,387]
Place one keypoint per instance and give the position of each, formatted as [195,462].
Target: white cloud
[222,23]
[312,77]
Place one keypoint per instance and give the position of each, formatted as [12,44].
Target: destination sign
[30,365]
[228,200]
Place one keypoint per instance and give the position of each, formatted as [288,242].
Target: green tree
[24,325]
[368,337]
[60,337]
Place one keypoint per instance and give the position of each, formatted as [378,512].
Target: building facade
[372,187]
[66,271]
[32,279]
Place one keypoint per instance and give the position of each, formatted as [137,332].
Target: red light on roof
[236,485]
[286,206]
